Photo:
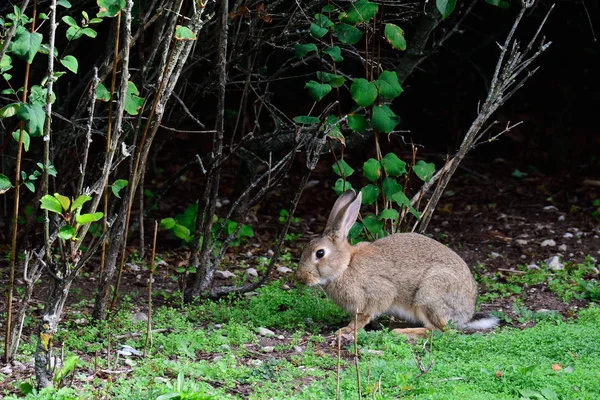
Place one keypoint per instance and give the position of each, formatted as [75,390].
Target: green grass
[197,360]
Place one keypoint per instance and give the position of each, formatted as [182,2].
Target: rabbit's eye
[320,253]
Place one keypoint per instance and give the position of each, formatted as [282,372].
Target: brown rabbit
[407,275]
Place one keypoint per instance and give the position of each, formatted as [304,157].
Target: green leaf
[51,203]
[323,21]
[301,50]
[70,63]
[395,36]
[64,201]
[102,93]
[361,11]
[5,184]
[9,110]
[356,229]
[389,213]
[26,139]
[29,185]
[369,194]
[317,90]
[64,3]
[335,53]
[87,218]
[89,32]
[5,63]
[110,8]
[342,165]
[391,187]
[372,169]
[316,31]
[357,123]
[341,186]
[245,231]
[26,44]
[373,224]
[70,21]
[117,186]
[38,96]
[389,87]
[384,119]
[306,120]
[332,128]
[66,232]
[34,116]
[424,170]
[347,34]
[184,33]
[403,201]
[167,223]
[80,201]
[445,7]
[393,165]
[182,232]
[133,102]
[328,8]
[333,79]
[363,92]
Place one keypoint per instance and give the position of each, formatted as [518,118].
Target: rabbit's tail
[483,323]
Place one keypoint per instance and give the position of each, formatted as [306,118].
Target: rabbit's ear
[339,225]
[339,205]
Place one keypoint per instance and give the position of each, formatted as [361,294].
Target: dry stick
[152,266]
[113,84]
[134,173]
[13,252]
[339,364]
[356,354]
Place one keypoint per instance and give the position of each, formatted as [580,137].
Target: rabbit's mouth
[310,280]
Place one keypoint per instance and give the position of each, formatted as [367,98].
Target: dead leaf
[556,367]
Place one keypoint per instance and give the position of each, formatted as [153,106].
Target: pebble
[251,273]
[548,242]
[523,256]
[267,349]
[248,253]
[550,208]
[6,370]
[250,294]
[130,362]
[281,337]
[375,352]
[521,242]
[561,218]
[256,363]
[139,316]
[297,349]
[562,247]
[224,274]
[270,253]
[284,270]
[533,266]
[493,254]
[568,235]
[554,264]
[265,332]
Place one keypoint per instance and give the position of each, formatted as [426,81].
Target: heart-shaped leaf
[133,102]
[332,79]
[395,36]
[373,224]
[372,169]
[391,187]
[363,92]
[26,139]
[341,168]
[317,90]
[357,123]
[5,184]
[334,52]
[369,194]
[110,8]
[389,87]
[70,63]
[347,34]
[34,116]
[384,119]
[66,232]
[424,170]
[393,165]
[341,186]
[117,186]
[389,213]
[445,7]
[25,44]
[301,50]
[359,12]
[102,93]
[184,33]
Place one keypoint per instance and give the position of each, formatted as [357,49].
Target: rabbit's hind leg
[357,323]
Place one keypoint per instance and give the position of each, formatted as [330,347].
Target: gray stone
[224,274]
[139,316]
[284,270]
[548,242]
[251,273]
[562,247]
[533,266]
[267,349]
[265,332]
[568,235]
[554,264]
[297,349]
[521,242]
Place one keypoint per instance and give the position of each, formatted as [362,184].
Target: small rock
[128,349]
[248,253]
[284,270]
[250,294]
[521,242]
[267,349]
[217,358]
[568,235]
[6,370]
[224,347]
[218,204]
[548,242]
[281,337]
[256,363]
[265,332]
[561,218]
[297,349]
[139,316]
[493,254]
[550,208]
[133,267]
[129,362]
[595,270]
[533,266]
[251,273]
[445,223]
[225,202]
[218,326]
[562,247]
[554,264]
[80,321]
[285,287]
[544,310]
[523,257]
[138,277]
[224,274]
[311,183]
[270,253]
[375,352]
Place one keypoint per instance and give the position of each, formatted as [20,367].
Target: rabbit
[406,275]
